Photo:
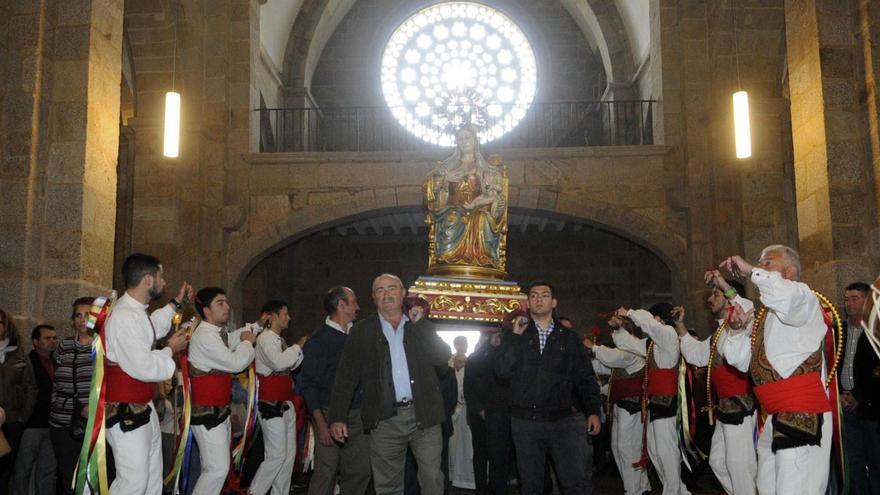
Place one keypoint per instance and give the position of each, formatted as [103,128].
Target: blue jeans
[562,440]
[862,441]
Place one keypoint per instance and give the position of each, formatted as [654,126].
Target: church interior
[277,148]
[292,174]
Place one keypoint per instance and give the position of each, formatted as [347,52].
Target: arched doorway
[593,268]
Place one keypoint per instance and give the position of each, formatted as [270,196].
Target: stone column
[832,173]
[61,131]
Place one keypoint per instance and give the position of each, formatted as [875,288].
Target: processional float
[466,196]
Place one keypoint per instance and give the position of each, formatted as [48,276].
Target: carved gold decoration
[469,300]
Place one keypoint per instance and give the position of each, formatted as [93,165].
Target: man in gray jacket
[393,361]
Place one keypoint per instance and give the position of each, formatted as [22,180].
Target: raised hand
[737,266]
[520,324]
[185,294]
[178,342]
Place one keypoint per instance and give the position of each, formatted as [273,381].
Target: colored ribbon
[184,439]
[91,468]
[238,452]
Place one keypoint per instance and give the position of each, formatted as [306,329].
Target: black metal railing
[544,125]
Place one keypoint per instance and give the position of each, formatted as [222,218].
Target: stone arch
[601,23]
[245,255]
[599,20]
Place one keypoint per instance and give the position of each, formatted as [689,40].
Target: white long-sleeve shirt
[794,328]
[130,335]
[271,358]
[610,357]
[696,352]
[207,352]
[665,338]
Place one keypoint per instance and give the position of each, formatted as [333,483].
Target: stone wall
[59,131]
[593,271]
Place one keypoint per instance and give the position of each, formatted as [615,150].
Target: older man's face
[388,294]
[774,261]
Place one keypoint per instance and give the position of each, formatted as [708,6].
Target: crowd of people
[382,403]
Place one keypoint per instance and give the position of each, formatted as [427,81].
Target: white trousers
[665,455]
[626,446]
[214,446]
[801,470]
[279,438]
[732,457]
[138,458]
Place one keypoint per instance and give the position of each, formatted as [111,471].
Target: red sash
[626,388]
[729,381]
[123,388]
[663,381]
[800,393]
[276,387]
[213,389]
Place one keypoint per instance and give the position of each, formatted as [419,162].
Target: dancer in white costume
[789,371]
[732,456]
[662,369]
[625,393]
[275,363]
[132,370]
[214,356]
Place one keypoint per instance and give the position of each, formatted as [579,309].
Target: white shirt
[271,359]
[696,352]
[5,349]
[129,334]
[609,357]
[665,338]
[399,366]
[207,352]
[793,331]
[332,324]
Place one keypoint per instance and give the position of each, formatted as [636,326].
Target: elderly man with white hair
[784,355]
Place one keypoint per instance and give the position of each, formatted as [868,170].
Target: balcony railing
[545,125]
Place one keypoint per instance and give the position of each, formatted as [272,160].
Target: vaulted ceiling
[293,33]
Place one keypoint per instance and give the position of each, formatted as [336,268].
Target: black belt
[404,403]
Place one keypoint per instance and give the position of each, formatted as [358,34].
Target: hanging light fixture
[172,105]
[741,124]
[172,124]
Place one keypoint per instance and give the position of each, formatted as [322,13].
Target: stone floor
[606,481]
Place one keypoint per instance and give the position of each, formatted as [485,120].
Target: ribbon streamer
[91,470]
[184,440]
[238,452]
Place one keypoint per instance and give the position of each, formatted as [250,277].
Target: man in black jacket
[858,396]
[35,453]
[487,397]
[393,361]
[548,367]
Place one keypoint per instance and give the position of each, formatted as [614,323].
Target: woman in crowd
[18,392]
[70,397]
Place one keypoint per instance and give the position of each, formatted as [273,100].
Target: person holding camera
[70,394]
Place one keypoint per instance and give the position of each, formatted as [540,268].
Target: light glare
[172,124]
[452,49]
[742,126]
